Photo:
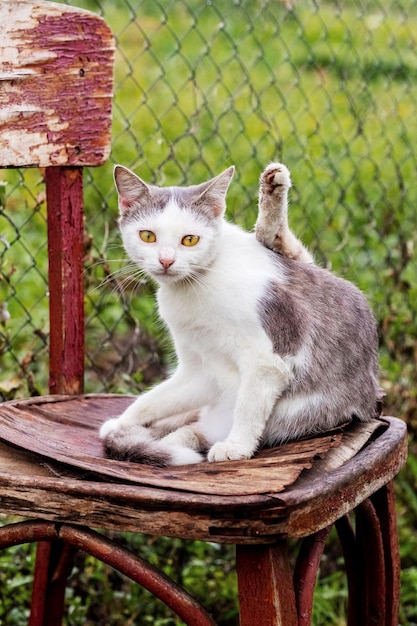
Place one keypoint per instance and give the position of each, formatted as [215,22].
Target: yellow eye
[147,236]
[190,240]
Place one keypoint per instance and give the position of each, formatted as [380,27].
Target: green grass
[329,88]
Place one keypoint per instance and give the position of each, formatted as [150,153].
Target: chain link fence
[329,88]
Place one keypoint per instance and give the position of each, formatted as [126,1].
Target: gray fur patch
[155,203]
[119,447]
[329,319]
[187,198]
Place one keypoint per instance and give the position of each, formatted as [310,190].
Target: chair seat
[52,466]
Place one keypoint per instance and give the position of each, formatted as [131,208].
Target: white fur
[225,359]
[171,224]
[181,455]
[210,297]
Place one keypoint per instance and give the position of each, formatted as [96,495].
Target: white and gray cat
[270,347]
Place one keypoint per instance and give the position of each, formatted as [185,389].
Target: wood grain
[266,592]
[56,83]
[67,437]
[245,502]
[64,192]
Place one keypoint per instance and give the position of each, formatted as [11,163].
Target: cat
[270,347]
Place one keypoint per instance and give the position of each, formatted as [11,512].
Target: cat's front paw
[130,417]
[229,451]
[110,426]
[275,175]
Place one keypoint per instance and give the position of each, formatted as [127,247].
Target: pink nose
[166,263]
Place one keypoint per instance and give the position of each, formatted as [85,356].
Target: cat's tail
[141,444]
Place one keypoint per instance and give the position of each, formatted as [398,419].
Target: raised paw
[275,175]
[229,451]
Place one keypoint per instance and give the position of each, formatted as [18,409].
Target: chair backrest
[56,85]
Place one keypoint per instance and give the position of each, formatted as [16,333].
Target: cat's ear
[133,191]
[212,194]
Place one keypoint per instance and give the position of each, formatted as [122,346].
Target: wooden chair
[55,110]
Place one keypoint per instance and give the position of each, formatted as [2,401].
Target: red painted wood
[371,565]
[54,561]
[107,551]
[40,582]
[64,193]
[305,573]
[349,547]
[65,250]
[265,580]
[384,502]
[56,77]
[141,572]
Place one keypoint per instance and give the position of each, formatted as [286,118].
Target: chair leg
[371,564]
[64,194]
[40,583]
[265,582]
[305,573]
[384,503]
[372,561]
[348,542]
[54,560]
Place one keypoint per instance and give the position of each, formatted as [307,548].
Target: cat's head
[172,233]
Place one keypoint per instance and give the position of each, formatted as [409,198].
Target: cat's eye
[190,240]
[147,236]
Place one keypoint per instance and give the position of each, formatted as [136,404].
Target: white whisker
[127,278]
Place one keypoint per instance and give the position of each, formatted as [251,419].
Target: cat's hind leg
[271,228]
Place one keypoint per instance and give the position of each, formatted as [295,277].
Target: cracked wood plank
[76,442]
[56,85]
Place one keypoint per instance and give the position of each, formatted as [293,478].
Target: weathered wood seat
[53,467]
[54,59]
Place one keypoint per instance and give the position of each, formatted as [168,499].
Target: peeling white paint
[18,13]
[12,114]
[25,14]
[17,147]
[35,57]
